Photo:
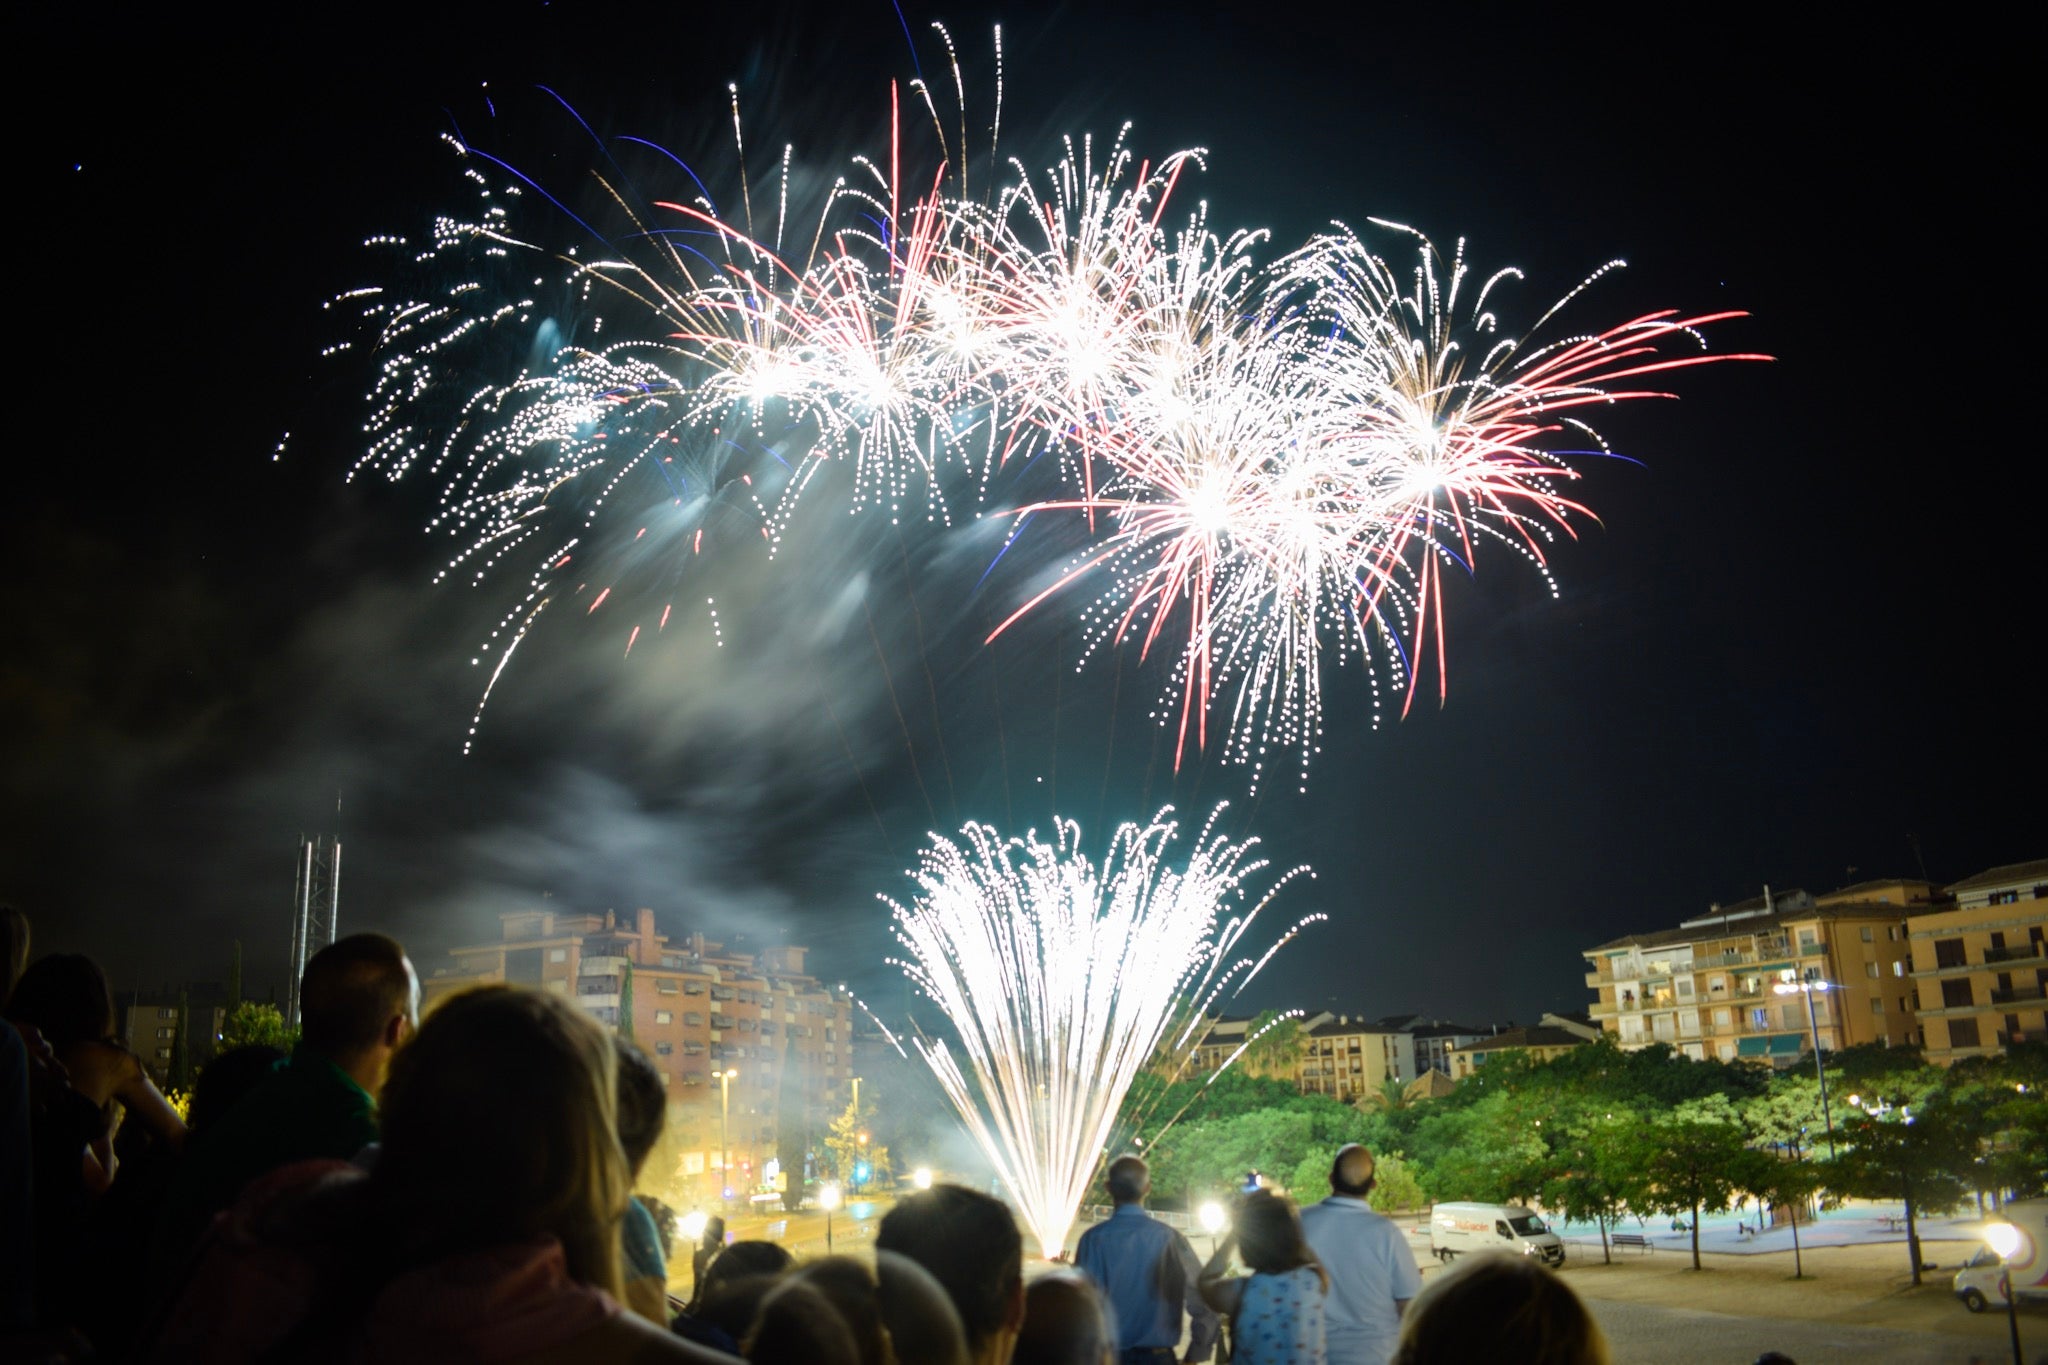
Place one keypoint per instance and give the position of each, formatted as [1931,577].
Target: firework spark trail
[1276,463]
[1063,980]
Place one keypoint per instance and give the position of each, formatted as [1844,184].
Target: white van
[1977,1283]
[1458,1228]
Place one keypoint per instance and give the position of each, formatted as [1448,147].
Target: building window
[1877,1004]
[1869,934]
[166,1013]
[1899,967]
[693,1019]
[665,988]
[1948,952]
[558,954]
[1962,1033]
[664,1049]
[2004,898]
[1956,995]
[664,1017]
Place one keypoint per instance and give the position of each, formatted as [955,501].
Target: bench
[1631,1239]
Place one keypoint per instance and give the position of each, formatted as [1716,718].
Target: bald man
[1372,1272]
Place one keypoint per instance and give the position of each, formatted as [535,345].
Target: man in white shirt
[1372,1272]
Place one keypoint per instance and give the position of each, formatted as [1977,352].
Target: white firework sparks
[1063,980]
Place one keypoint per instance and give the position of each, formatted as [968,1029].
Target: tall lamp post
[828,1199]
[725,1080]
[2005,1240]
[1807,988]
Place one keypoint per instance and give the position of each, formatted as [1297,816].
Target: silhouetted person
[970,1244]
[643,1109]
[487,1231]
[1372,1272]
[1066,1322]
[358,1001]
[1497,1306]
[1148,1271]
[1276,1312]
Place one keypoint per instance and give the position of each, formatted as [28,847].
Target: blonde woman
[489,1230]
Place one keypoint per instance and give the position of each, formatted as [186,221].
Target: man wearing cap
[1372,1272]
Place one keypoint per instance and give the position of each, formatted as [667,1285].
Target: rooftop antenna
[316,905]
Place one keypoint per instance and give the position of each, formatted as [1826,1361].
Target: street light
[1807,988]
[828,1199]
[1211,1215]
[725,1080]
[2005,1240]
[922,1178]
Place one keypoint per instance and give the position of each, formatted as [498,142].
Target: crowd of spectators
[461,1189]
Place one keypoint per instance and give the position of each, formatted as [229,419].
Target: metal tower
[316,904]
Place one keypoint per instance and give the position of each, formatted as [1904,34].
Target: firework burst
[1277,464]
[1062,980]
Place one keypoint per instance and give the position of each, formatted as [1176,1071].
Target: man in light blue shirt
[1372,1272]
[1148,1272]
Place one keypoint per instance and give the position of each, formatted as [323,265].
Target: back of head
[1499,1307]
[643,1103]
[1065,1323]
[497,1128]
[850,1287]
[1354,1173]
[1269,1235]
[797,1325]
[65,996]
[13,950]
[970,1244]
[351,991]
[924,1327]
[1129,1180]
[226,1080]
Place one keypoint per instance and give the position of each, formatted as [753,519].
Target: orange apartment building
[1981,966]
[698,1009]
[1709,987]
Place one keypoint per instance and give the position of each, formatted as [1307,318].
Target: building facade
[1980,966]
[1539,1044]
[1767,979]
[149,1022]
[746,1040]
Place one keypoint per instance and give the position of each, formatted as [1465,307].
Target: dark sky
[1795,650]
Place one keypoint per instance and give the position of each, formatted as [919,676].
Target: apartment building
[148,1023]
[1766,979]
[1980,966]
[1539,1043]
[737,1034]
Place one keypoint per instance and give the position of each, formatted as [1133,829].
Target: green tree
[850,1140]
[1907,1140]
[1783,1183]
[1789,1115]
[1391,1093]
[1688,1159]
[1275,1046]
[626,1002]
[1591,1178]
[252,1023]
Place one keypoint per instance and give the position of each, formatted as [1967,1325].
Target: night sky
[1800,648]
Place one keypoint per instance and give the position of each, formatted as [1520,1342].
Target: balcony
[2020,995]
[1812,949]
[2016,952]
